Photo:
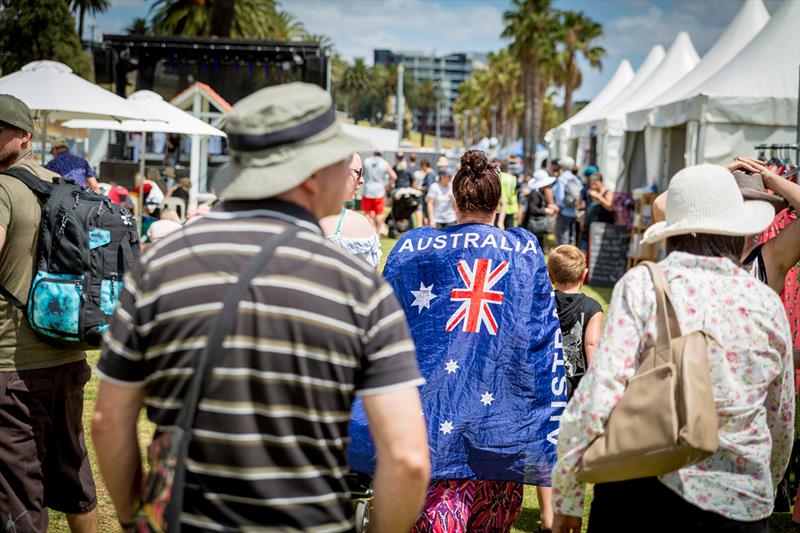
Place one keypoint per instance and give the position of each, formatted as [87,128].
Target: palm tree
[284,27]
[92,6]
[189,18]
[578,37]
[533,27]
[356,83]
[378,94]
[423,101]
[503,87]
[138,27]
[239,19]
[222,13]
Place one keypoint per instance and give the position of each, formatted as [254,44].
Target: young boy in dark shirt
[581,317]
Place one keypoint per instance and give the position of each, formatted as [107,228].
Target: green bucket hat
[278,137]
[15,112]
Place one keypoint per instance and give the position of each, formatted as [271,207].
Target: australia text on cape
[471,240]
[558,385]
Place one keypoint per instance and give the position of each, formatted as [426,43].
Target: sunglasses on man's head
[357,171]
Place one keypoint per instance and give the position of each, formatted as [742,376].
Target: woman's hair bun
[476,185]
[474,161]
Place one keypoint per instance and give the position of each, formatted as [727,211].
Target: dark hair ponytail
[476,186]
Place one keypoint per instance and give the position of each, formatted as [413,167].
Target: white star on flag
[487,398]
[446,427]
[423,297]
[451,366]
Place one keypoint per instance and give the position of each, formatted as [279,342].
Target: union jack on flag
[476,297]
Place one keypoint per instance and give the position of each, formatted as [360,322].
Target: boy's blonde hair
[566,264]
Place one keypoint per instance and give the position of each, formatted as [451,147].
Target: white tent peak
[53,66]
[778,44]
[752,16]
[619,80]
[654,58]
[616,84]
[680,59]
[750,19]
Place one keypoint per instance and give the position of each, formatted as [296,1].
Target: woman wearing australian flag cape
[482,313]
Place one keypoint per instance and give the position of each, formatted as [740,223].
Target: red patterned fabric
[791,288]
[465,506]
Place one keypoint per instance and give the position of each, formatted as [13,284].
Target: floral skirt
[466,506]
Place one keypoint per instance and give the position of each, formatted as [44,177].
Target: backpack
[86,245]
[573,189]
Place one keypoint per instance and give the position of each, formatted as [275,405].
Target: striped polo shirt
[316,327]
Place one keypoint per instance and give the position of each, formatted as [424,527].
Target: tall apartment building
[447,72]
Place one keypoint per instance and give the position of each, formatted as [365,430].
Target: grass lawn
[528,520]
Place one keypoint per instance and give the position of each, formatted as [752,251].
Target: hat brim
[777,202]
[752,220]
[544,183]
[270,173]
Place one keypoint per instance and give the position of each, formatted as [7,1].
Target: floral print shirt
[750,358]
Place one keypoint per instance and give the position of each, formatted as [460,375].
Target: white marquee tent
[609,148]
[679,60]
[753,99]
[558,137]
[750,19]
[665,149]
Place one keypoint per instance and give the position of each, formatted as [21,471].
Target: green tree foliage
[533,27]
[43,29]
[242,19]
[498,85]
[138,26]
[546,43]
[356,83]
[423,100]
[578,36]
[88,6]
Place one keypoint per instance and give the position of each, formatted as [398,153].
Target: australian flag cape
[482,313]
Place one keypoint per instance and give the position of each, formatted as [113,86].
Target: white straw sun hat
[542,179]
[706,199]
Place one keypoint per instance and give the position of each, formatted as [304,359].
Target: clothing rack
[782,147]
[781,150]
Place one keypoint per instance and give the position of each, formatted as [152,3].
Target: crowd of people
[473,366]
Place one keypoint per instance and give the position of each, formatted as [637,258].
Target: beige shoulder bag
[666,419]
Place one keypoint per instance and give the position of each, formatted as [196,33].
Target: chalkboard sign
[608,253]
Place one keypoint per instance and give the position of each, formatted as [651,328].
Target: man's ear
[311,185]
[27,139]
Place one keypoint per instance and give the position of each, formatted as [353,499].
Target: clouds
[631,32]
[359,26]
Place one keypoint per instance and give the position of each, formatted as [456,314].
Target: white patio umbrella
[172,120]
[52,91]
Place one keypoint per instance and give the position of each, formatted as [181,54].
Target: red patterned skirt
[466,506]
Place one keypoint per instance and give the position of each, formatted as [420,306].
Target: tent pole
[140,199]
[797,136]
[44,134]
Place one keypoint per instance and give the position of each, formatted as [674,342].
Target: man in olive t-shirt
[41,387]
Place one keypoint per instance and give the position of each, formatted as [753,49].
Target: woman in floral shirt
[750,360]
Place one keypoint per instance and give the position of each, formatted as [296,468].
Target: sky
[356,27]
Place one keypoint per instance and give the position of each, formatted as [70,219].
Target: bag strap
[39,187]
[10,298]
[204,368]
[667,325]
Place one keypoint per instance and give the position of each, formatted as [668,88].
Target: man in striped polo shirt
[315,327]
